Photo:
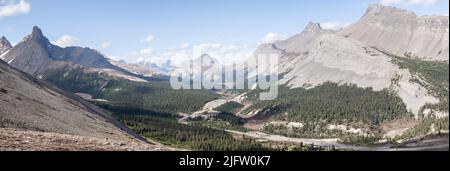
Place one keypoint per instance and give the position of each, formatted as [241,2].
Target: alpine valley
[381,83]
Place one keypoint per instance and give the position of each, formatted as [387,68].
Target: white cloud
[226,54]
[181,57]
[178,58]
[140,59]
[65,40]
[148,39]
[146,51]
[138,56]
[334,25]
[13,7]
[272,37]
[105,45]
[409,2]
[184,46]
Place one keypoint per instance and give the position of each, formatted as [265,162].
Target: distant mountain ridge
[163,68]
[145,68]
[138,69]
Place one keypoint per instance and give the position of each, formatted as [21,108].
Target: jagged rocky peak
[313,27]
[35,54]
[377,8]
[37,35]
[4,45]
[382,12]
[402,32]
[37,31]
[380,9]
[4,41]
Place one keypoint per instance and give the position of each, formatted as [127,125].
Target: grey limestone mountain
[316,56]
[35,53]
[36,56]
[402,32]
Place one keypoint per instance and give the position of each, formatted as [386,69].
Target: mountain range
[350,56]
[36,56]
[323,71]
[402,32]
[388,67]
[316,56]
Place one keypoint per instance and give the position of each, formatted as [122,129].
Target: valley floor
[426,143]
[16,140]
[430,144]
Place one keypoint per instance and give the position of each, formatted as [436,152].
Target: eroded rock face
[402,32]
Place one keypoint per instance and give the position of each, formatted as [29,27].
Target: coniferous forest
[166,130]
[333,103]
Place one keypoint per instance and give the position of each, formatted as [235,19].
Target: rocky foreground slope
[15,140]
[28,104]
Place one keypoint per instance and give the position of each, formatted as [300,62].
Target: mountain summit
[380,9]
[38,35]
[4,45]
[36,54]
[402,32]
[313,27]
[296,44]
[317,56]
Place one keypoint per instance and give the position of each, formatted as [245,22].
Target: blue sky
[166,29]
